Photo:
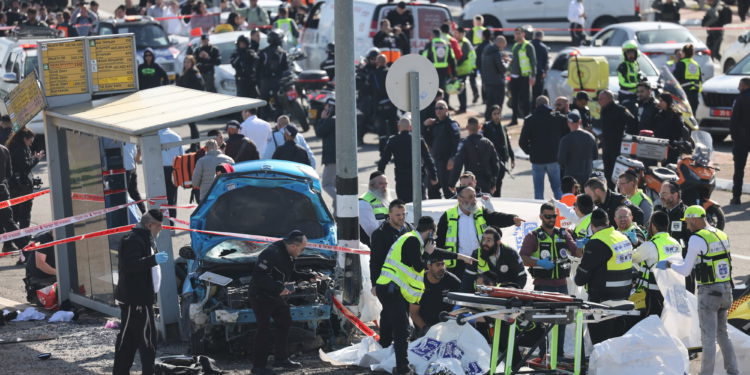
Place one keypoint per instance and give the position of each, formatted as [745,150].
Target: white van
[367,15]
[549,14]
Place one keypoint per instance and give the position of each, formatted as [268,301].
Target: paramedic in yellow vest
[606,270]
[579,216]
[674,59]
[287,24]
[438,50]
[476,36]
[461,227]
[465,66]
[708,252]
[401,282]
[627,185]
[688,74]
[547,251]
[659,247]
[373,206]
[522,74]
[629,75]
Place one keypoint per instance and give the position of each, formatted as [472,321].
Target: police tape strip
[113,172]
[23,198]
[354,320]
[188,207]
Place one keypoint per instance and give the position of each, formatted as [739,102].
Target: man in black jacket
[581,104]
[238,147]
[139,280]
[492,70]
[540,139]
[244,61]
[150,74]
[497,133]
[476,154]
[208,58]
[497,262]
[542,64]
[674,207]
[325,129]
[7,223]
[398,147]
[740,129]
[393,227]
[610,201]
[445,135]
[290,150]
[274,277]
[616,120]
[646,106]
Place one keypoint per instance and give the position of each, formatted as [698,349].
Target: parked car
[225,43]
[316,35]
[717,99]
[553,14]
[262,198]
[148,34]
[735,52]
[556,83]
[658,40]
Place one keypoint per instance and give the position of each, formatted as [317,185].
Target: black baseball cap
[234,124]
[582,96]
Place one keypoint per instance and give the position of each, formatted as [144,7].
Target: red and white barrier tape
[23,198]
[354,320]
[188,207]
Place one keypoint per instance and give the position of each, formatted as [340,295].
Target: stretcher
[553,309]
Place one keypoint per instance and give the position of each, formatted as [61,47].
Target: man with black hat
[239,147]
[373,205]
[581,104]
[290,150]
[274,277]
[208,58]
[140,278]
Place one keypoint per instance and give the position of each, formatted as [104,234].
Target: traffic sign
[63,67]
[397,81]
[25,101]
[112,63]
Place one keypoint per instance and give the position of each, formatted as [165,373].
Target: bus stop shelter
[82,164]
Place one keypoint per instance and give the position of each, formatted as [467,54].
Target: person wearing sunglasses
[547,251]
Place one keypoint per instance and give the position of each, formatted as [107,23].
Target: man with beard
[373,206]
[393,227]
[460,228]
[438,282]
[496,261]
[547,251]
[626,226]
[609,201]
[672,205]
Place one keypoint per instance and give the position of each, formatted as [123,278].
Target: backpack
[182,170]
[725,16]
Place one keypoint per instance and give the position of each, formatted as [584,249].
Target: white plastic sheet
[647,348]
[446,343]
[680,314]
[29,314]
[741,345]
[369,306]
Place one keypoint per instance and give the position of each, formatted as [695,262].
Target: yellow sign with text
[64,68]
[25,101]
[112,64]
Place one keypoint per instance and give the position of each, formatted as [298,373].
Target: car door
[556,16]
[618,38]
[521,12]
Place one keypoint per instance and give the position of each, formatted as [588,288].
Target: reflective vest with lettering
[407,278]
[451,235]
[619,276]
[554,249]
[715,266]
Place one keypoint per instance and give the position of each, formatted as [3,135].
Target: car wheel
[603,22]
[492,22]
[728,65]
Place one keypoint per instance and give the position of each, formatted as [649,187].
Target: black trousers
[537,89]
[444,184]
[520,97]
[394,322]
[171,190]
[246,89]
[739,152]
[462,94]
[692,97]
[576,34]
[499,183]
[713,42]
[137,333]
[132,181]
[443,77]
[609,168]
[22,212]
[494,95]
[265,309]
[404,189]
[742,7]
[474,88]
[194,134]
[7,222]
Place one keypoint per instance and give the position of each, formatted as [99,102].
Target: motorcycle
[290,98]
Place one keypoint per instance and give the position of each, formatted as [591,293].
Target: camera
[36,182]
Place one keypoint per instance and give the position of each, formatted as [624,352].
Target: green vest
[620,264]
[552,248]
[635,229]
[666,246]
[286,25]
[692,75]
[440,53]
[476,36]
[716,265]
[638,197]
[451,235]
[378,208]
[630,80]
[470,63]
[409,280]
[523,59]
[582,229]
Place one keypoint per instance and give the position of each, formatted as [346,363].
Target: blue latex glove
[662,265]
[161,258]
[581,242]
[632,237]
[545,263]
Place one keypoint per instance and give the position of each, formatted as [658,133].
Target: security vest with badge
[553,248]
[476,34]
[666,247]
[451,235]
[638,197]
[715,266]
[691,77]
[440,51]
[582,230]
[627,74]
[523,59]
[618,276]
[469,62]
[504,265]
[286,25]
[410,282]
[677,228]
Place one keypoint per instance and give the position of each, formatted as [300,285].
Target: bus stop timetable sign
[112,64]
[63,68]
[25,101]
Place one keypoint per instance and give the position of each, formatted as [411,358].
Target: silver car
[658,40]
[556,83]
[717,99]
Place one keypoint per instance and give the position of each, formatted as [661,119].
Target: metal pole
[347,209]
[416,146]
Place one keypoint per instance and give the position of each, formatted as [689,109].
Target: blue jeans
[553,171]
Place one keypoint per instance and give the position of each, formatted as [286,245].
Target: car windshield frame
[736,69]
[662,36]
[139,31]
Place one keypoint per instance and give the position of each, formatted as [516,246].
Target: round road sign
[397,81]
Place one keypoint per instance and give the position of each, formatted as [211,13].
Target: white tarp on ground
[456,346]
[625,355]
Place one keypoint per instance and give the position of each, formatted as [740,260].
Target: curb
[722,184]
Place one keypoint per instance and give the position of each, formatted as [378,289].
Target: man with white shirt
[576,17]
[256,129]
[167,158]
[373,206]
[461,228]
[276,140]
